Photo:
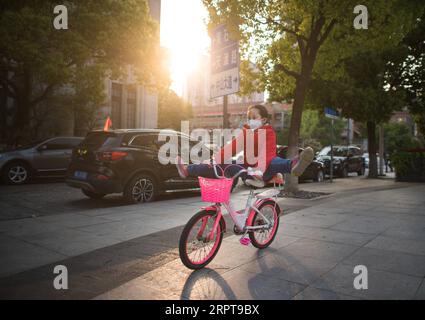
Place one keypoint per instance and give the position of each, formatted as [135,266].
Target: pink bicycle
[257,222]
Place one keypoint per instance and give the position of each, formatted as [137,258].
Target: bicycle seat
[255,183]
[277,179]
[268,194]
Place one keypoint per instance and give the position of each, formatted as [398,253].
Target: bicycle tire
[184,255]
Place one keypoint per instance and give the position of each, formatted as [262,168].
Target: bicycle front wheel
[196,249]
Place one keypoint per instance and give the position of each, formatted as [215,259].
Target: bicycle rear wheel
[195,249]
[262,238]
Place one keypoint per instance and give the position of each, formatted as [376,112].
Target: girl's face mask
[255,123]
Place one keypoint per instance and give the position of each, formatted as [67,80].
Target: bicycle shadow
[206,284]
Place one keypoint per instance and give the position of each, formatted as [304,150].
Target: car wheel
[361,171]
[142,188]
[16,173]
[320,176]
[93,195]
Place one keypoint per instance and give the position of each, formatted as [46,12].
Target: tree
[361,94]
[407,71]
[297,39]
[104,38]
[316,127]
[172,110]
[398,137]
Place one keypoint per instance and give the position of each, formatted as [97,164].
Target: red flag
[108,124]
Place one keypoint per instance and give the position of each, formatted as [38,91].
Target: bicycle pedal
[245,241]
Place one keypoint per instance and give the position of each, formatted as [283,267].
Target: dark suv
[346,159]
[126,161]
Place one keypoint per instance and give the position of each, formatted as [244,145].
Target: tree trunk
[371,143]
[291,182]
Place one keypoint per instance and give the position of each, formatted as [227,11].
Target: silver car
[49,157]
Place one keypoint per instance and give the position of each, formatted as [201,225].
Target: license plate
[80,175]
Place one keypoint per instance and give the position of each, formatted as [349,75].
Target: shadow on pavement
[206,284]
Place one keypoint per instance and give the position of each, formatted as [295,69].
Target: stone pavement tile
[381,284]
[302,270]
[397,244]
[136,291]
[411,230]
[311,293]
[400,217]
[344,237]
[295,230]
[387,260]
[420,294]
[71,220]
[234,254]
[121,230]
[104,258]
[70,242]
[141,249]
[174,279]
[167,238]
[321,250]
[365,225]
[320,209]
[243,285]
[322,220]
[17,255]
[86,277]
[279,241]
[24,227]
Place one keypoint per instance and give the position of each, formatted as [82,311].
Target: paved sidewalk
[313,256]
[130,251]
[28,243]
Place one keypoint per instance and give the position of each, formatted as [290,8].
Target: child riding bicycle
[268,164]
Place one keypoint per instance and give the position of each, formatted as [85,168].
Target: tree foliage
[172,110]
[103,38]
[296,40]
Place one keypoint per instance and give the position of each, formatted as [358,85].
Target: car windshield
[98,139]
[337,151]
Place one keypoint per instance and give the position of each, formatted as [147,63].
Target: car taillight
[111,155]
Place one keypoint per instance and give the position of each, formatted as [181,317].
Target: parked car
[126,161]
[315,171]
[346,159]
[45,158]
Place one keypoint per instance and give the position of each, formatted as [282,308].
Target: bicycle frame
[250,207]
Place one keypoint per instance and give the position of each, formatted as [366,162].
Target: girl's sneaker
[301,163]
[181,168]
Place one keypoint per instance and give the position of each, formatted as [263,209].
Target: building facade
[130,105]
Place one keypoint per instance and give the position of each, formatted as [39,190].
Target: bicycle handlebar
[237,174]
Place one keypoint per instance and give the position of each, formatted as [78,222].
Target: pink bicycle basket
[215,190]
